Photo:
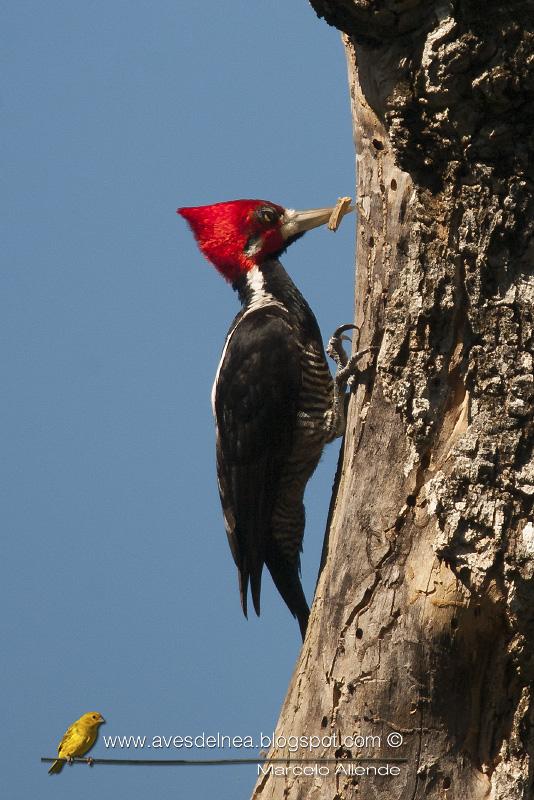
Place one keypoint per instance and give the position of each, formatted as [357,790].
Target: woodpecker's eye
[267,215]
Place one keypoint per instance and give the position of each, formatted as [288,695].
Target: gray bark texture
[423,619]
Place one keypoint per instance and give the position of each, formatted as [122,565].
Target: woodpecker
[274,400]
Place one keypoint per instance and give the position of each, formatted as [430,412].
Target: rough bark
[423,619]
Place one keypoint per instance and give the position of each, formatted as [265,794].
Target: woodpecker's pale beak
[297,222]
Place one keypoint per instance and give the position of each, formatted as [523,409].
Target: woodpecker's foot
[346,366]
[70,761]
[335,419]
[347,371]
[335,348]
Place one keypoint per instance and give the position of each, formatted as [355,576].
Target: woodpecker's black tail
[287,581]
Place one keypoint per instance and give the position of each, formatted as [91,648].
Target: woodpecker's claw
[345,373]
[346,366]
[335,348]
[348,326]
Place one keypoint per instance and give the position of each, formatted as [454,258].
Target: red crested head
[237,235]
[241,234]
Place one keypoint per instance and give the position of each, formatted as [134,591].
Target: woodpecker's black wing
[255,404]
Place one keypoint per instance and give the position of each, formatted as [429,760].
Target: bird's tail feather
[243,590]
[255,588]
[287,581]
[56,767]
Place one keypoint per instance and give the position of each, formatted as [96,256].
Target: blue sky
[120,594]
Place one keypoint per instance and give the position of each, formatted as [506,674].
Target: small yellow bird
[78,739]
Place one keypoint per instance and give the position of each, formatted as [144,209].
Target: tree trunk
[423,619]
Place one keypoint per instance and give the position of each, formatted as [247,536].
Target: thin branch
[212,762]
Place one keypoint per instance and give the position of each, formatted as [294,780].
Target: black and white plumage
[272,407]
[273,399]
